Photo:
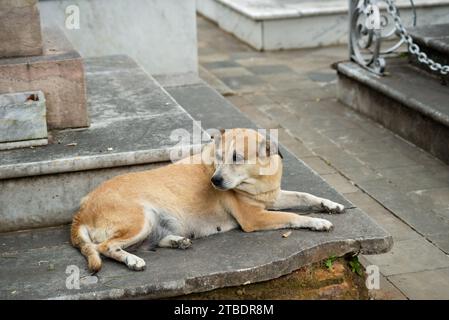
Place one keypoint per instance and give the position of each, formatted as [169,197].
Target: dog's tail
[81,239]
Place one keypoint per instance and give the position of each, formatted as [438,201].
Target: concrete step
[407,100]
[281,24]
[40,258]
[434,41]
[132,118]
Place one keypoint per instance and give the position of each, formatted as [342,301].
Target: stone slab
[22,116]
[406,101]
[23,144]
[408,256]
[58,72]
[279,24]
[432,39]
[228,259]
[132,119]
[432,284]
[435,36]
[20,28]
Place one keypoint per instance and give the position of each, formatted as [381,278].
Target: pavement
[403,188]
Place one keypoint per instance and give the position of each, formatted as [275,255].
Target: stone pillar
[20,28]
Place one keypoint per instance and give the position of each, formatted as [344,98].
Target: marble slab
[132,119]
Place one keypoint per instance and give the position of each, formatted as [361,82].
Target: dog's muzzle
[218,182]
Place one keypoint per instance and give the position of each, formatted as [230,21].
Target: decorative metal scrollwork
[372,25]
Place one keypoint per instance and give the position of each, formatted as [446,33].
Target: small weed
[330,261]
[355,265]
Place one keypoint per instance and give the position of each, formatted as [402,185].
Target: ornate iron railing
[375,22]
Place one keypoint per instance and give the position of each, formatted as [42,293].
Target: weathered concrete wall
[159,34]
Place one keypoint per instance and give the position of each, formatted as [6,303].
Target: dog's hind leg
[113,249]
[177,242]
[130,232]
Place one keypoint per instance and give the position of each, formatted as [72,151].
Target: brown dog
[214,191]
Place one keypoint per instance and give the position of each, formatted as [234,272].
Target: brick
[20,28]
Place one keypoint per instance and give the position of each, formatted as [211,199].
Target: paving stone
[347,136]
[322,76]
[417,177]
[215,82]
[360,174]
[361,198]
[415,214]
[441,240]
[221,64]
[219,56]
[270,69]
[230,72]
[432,284]
[260,118]
[436,198]
[335,155]
[317,164]
[385,160]
[258,99]
[442,212]
[386,291]
[294,145]
[340,183]
[243,83]
[411,255]
[398,229]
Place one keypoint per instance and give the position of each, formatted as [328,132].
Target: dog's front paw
[318,224]
[332,207]
[135,263]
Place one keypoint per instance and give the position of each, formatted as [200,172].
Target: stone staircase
[132,115]
[290,24]
[411,100]
[132,118]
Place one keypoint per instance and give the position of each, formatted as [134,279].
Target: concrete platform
[40,257]
[132,119]
[407,101]
[280,24]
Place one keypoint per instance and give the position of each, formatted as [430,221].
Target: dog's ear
[216,134]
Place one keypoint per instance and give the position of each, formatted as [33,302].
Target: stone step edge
[91,162]
[337,8]
[361,76]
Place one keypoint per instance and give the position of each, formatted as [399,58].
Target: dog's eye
[236,157]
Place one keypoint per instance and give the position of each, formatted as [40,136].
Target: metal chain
[413,48]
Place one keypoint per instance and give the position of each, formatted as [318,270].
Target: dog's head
[244,157]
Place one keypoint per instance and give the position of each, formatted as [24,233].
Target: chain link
[413,48]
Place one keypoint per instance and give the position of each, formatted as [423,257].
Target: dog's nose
[217,181]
